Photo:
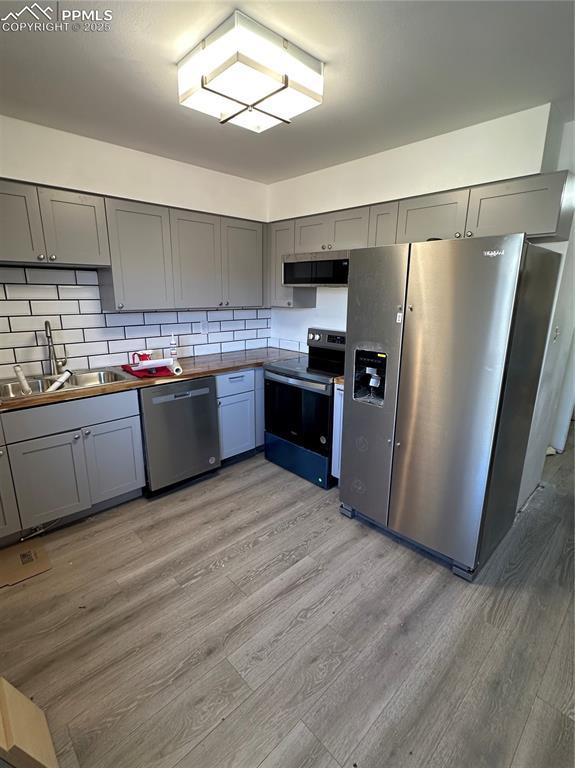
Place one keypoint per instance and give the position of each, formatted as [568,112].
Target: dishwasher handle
[161,399]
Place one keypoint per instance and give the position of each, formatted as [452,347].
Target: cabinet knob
[76,437]
[458,234]
[87,432]
[289,303]
[227,303]
[52,257]
[120,306]
[323,247]
[41,257]
[329,247]
[221,304]
[1,453]
[398,444]
[469,234]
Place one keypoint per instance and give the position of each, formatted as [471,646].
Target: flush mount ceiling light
[247,75]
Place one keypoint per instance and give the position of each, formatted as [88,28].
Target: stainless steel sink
[12,389]
[93,378]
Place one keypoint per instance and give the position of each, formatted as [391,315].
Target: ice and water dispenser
[369,376]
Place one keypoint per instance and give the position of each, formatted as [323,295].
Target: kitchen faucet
[56,363]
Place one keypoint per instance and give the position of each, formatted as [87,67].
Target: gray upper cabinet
[197,259]
[9,517]
[74,227]
[60,486]
[350,228]
[281,241]
[432,216]
[242,263]
[383,224]
[338,231]
[531,205]
[20,223]
[141,256]
[114,458]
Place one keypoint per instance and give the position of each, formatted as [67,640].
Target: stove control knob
[316,337]
[310,336]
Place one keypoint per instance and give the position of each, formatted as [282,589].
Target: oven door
[299,411]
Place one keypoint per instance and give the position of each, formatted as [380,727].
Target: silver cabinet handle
[87,432]
[52,257]
[469,234]
[458,234]
[236,378]
[41,257]
[120,306]
[76,437]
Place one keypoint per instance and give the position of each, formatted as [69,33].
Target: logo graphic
[493,253]
[33,10]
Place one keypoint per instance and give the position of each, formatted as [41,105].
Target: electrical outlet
[204,326]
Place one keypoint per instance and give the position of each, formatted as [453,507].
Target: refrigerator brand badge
[494,252]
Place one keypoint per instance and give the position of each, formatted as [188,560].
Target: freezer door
[376,295]
[460,302]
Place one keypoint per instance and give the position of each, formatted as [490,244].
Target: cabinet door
[531,205]
[9,517]
[242,259]
[349,229]
[282,242]
[442,216]
[141,255]
[74,227]
[236,419]
[337,431]
[114,457]
[20,224]
[383,224]
[197,258]
[50,477]
[313,233]
[260,406]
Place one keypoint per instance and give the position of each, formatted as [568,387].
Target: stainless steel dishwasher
[180,425]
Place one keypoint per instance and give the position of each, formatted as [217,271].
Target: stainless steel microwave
[311,269]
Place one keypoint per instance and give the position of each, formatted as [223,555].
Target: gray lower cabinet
[9,517]
[531,205]
[20,223]
[236,419]
[197,259]
[114,457]
[281,242]
[432,216]
[74,228]
[382,224]
[242,262]
[141,252]
[260,406]
[50,477]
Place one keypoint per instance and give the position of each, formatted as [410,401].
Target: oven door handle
[311,386]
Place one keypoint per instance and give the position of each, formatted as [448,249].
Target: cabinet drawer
[30,423]
[235,382]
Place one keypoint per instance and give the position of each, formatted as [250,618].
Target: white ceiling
[396,72]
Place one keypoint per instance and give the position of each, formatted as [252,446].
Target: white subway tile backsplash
[124,318]
[256,324]
[17,340]
[76,363]
[89,305]
[232,325]
[12,275]
[245,314]
[88,348]
[7,355]
[135,331]
[185,351]
[11,308]
[160,317]
[221,314]
[256,343]
[103,334]
[29,354]
[62,337]
[157,342]
[53,308]
[50,276]
[79,292]
[83,321]
[207,349]
[194,338]
[264,333]
[176,328]
[103,361]
[4,324]
[214,327]
[128,345]
[32,323]
[227,336]
[87,277]
[30,369]
[31,291]
[191,317]
[244,334]
[265,313]
[233,346]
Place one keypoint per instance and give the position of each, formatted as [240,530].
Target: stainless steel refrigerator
[445,342]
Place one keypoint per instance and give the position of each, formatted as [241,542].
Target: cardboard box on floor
[25,740]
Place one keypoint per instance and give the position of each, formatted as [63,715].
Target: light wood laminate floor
[243,622]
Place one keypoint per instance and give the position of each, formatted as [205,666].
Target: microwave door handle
[311,386]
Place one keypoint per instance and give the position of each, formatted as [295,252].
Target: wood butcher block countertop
[194,367]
